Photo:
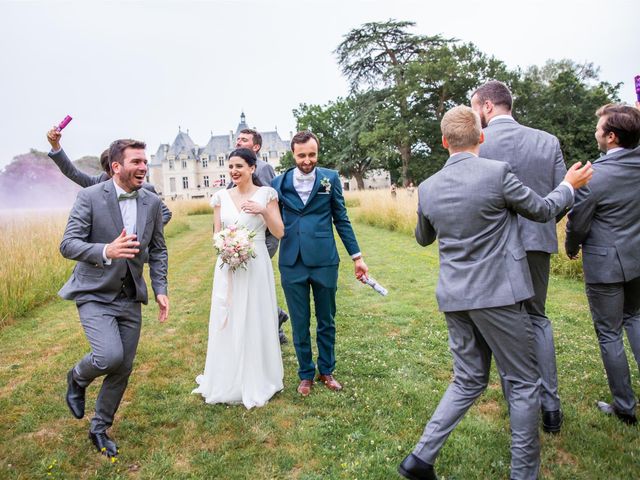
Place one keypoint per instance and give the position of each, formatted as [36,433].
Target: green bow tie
[128,196]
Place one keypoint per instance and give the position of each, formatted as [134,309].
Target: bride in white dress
[244,363]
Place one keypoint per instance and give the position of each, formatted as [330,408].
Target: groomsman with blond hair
[471,207]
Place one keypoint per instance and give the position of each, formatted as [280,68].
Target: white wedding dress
[244,363]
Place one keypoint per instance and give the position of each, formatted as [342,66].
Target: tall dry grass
[32,270]
[31,267]
[380,209]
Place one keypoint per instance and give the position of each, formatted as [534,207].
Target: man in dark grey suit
[605,222]
[251,139]
[112,229]
[69,170]
[537,161]
[470,206]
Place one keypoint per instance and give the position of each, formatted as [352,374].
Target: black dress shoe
[623,417]
[415,469]
[75,396]
[104,444]
[552,421]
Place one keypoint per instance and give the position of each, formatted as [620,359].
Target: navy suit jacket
[308,231]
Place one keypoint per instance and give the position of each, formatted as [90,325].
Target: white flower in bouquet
[235,246]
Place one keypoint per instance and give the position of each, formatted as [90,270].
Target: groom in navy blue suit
[311,202]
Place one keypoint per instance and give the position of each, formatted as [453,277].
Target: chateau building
[185,170]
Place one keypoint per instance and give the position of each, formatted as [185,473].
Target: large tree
[561,98]
[338,126]
[377,55]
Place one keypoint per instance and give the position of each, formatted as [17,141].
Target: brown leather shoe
[330,382]
[304,388]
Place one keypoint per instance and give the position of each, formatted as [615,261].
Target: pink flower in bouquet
[235,247]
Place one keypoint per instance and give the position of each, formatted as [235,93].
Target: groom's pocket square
[323,193]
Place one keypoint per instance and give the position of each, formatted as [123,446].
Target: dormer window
[184,164]
[205,162]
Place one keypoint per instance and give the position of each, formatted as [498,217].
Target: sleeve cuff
[54,152]
[356,256]
[107,261]
[564,182]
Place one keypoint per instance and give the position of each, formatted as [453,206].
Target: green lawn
[393,361]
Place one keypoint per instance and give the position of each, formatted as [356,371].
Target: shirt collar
[499,117]
[299,173]
[614,150]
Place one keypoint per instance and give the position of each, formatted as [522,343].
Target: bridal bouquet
[234,245]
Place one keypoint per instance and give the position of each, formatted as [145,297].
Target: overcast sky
[141,69]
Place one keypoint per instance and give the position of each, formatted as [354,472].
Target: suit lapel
[290,196]
[112,204]
[141,214]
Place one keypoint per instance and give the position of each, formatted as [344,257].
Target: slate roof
[183,145]
[217,144]
[160,155]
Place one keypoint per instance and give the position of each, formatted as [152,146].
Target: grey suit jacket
[264,173]
[471,206]
[70,171]
[95,221]
[605,220]
[537,161]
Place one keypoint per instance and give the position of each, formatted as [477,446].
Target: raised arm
[65,165]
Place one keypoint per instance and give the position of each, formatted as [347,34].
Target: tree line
[402,83]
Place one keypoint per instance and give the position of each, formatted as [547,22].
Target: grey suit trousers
[614,306]
[474,335]
[113,331]
[544,346]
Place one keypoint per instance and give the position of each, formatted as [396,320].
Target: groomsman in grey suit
[69,170]
[605,223]
[537,161]
[251,139]
[471,207]
[112,229]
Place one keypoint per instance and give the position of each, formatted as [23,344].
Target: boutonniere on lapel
[326,184]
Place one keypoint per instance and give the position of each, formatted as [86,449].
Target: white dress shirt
[303,183]
[129,212]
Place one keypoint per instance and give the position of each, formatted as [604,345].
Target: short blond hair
[461,127]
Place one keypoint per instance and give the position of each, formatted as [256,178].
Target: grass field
[393,361]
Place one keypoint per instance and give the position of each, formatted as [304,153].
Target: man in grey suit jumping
[605,223]
[470,206]
[536,159]
[112,229]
